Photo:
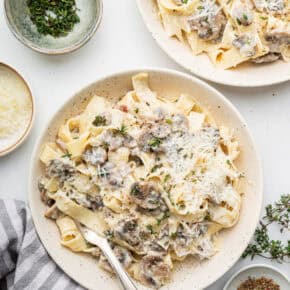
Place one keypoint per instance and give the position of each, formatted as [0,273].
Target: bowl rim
[133,71]
[258,265]
[29,126]
[191,69]
[60,51]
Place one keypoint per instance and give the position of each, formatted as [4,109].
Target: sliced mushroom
[209,21]
[278,36]
[59,169]
[112,139]
[147,196]
[182,240]
[95,155]
[149,143]
[269,57]
[154,270]
[128,231]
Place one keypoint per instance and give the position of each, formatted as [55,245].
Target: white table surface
[123,42]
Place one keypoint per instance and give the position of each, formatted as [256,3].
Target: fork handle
[124,278]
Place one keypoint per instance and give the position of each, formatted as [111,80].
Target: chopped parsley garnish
[167,177]
[154,142]
[200,7]
[165,216]
[100,121]
[229,162]
[122,130]
[263,17]
[136,110]
[239,21]
[67,154]
[173,235]
[155,167]
[245,16]
[150,229]
[168,121]
[184,1]
[55,18]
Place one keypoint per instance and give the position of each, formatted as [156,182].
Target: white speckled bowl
[191,274]
[257,271]
[90,13]
[245,75]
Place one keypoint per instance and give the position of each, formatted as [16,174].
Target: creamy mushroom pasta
[230,31]
[155,175]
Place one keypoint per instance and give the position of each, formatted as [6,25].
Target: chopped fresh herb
[245,16]
[173,235]
[100,121]
[154,142]
[55,18]
[66,155]
[167,177]
[150,229]
[165,216]
[200,7]
[263,245]
[169,121]
[179,150]
[184,1]
[239,21]
[122,130]
[137,110]
[263,17]
[229,162]
[155,167]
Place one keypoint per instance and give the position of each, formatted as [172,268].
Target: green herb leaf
[100,121]
[154,142]
[55,18]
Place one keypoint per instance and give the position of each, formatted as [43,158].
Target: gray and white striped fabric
[24,263]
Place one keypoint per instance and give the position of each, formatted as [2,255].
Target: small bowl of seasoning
[258,277]
[16,109]
[53,26]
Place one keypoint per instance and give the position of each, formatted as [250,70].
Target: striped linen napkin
[24,263]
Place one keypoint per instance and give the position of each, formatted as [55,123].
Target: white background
[123,42]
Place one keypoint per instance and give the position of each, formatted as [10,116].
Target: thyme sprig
[263,245]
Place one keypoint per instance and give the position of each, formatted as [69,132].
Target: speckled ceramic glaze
[245,75]
[190,274]
[90,13]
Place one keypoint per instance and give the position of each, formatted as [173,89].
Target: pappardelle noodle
[230,31]
[155,175]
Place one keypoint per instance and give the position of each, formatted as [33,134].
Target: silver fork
[102,243]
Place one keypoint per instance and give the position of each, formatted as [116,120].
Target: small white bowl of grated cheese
[16,109]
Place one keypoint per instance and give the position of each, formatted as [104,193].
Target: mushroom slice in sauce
[127,230]
[209,21]
[269,57]
[146,195]
[60,169]
[154,270]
